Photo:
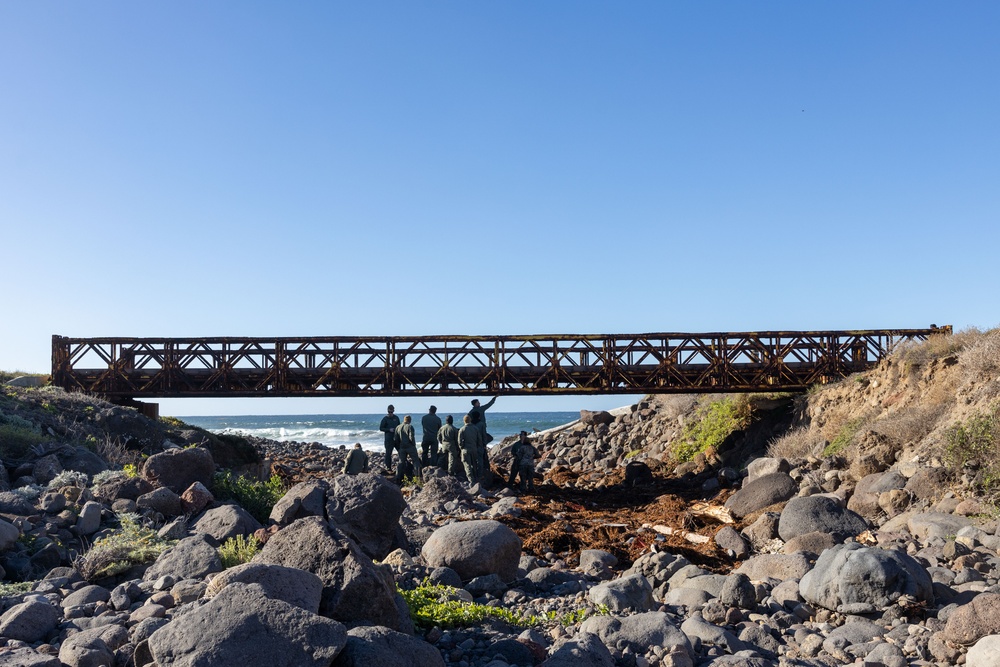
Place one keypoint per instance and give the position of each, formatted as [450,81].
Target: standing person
[515,458]
[388,427]
[357,461]
[526,465]
[470,441]
[430,423]
[407,449]
[481,411]
[451,455]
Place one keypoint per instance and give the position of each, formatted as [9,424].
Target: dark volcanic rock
[760,493]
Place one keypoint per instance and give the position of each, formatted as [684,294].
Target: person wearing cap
[451,454]
[515,458]
[407,449]
[357,461]
[388,427]
[431,424]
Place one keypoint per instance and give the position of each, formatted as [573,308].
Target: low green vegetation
[130,545]
[17,437]
[976,443]
[238,550]
[257,498]
[844,437]
[713,422]
[8,589]
[436,605]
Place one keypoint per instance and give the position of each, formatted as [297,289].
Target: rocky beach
[853,525]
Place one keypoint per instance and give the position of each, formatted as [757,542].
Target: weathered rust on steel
[128,368]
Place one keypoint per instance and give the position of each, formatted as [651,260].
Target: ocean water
[336,430]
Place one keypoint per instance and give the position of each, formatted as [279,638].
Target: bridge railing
[122,368]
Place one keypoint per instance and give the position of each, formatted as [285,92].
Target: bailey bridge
[125,369]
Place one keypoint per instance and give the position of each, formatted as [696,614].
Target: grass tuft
[130,545]
[257,498]
[238,550]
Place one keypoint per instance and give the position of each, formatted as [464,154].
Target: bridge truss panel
[124,368]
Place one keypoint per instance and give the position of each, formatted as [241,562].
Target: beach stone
[86,595]
[177,469]
[853,579]
[695,627]
[762,492]
[597,562]
[9,534]
[302,500]
[763,530]
[12,503]
[192,558]
[807,514]
[628,592]
[928,483]
[731,541]
[445,576]
[637,631]
[857,631]
[292,585]
[29,621]
[162,500]
[196,498]
[864,500]
[376,646]
[241,626]
[777,566]
[971,622]
[89,520]
[927,525]
[810,543]
[737,591]
[94,647]
[354,589]
[766,465]
[367,507]
[692,598]
[985,653]
[128,488]
[474,548]
[46,469]
[583,650]
[226,522]
[27,657]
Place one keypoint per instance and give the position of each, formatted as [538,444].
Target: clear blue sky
[396,168]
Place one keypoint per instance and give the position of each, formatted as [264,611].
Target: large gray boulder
[192,558]
[162,500]
[775,566]
[27,657]
[367,508]
[93,647]
[376,646]
[226,522]
[853,579]
[986,653]
[638,631]
[762,492]
[289,584]
[818,513]
[864,500]
[302,500]
[583,650]
[29,621]
[177,469]
[474,548]
[355,590]
[241,626]
[628,592]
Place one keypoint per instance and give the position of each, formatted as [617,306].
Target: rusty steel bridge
[124,369]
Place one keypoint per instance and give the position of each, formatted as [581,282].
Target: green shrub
[130,545]
[977,440]
[16,440]
[712,424]
[436,605]
[843,437]
[257,498]
[238,550]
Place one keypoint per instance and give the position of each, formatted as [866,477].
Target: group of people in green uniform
[458,450]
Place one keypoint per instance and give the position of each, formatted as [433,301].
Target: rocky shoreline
[865,555]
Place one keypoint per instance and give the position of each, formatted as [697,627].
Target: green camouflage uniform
[450,452]
[357,461]
[388,426]
[471,442]
[407,448]
[430,423]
